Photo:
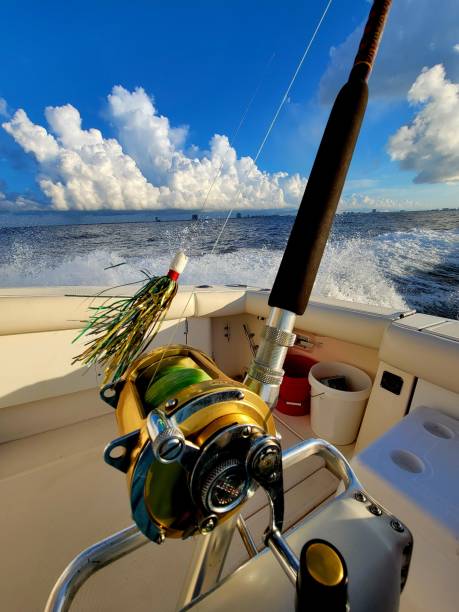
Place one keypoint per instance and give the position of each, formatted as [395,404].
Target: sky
[114,108]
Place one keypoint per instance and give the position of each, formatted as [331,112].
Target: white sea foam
[396,269]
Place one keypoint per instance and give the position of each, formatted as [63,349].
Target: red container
[295,390]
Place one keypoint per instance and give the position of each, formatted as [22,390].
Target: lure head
[194,443]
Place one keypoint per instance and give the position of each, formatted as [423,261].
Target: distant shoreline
[34,219]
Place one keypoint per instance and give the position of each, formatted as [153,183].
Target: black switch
[391,382]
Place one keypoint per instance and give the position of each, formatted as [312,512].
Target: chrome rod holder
[266,372]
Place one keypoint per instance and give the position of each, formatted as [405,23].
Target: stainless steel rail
[334,459]
[90,561]
[210,554]
[207,562]
[337,464]
[284,554]
[246,537]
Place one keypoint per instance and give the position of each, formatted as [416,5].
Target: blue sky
[200,63]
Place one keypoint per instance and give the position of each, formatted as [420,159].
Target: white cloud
[430,144]
[143,134]
[79,169]
[359,201]
[417,34]
[32,138]
[3,108]
[82,170]
[456,48]
[18,203]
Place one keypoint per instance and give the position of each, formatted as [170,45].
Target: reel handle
[322,579]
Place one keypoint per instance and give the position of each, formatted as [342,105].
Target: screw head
[171,404]
[208,524]
[267,459]
[360,497]
[246,432]
[240,395]
[171,449]
[160,537]
[374,509]
[397,526]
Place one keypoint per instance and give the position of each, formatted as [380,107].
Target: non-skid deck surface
[58,497]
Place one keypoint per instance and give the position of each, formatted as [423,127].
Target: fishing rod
[195,445]
[300,263]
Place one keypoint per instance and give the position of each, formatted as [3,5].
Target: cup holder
[438,430]
[409,462]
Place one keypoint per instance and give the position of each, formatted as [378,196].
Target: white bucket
[336,415]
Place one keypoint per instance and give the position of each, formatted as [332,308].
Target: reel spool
[194,443]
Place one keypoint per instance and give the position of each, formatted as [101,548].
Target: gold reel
[194,443]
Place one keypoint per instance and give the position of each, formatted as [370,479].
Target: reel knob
[225,486]
[168,442]
[168,446]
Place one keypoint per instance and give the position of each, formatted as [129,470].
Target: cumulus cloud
[144,134]
[32,138]
[79,169]
[430,143]
[417,34]
[147,167]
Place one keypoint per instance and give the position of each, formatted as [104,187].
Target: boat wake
[413,269]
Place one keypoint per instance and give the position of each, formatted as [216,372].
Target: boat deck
[65,498]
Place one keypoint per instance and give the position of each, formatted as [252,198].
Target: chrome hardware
[279,336]
[220,481]
[305,342]
[208,524]
[246,432]
[169,445]
[246,537]
[264,464]
[397,526]
[168,442]
[172,403]
[90,561]
[225,486]
[195,405]
[265,373]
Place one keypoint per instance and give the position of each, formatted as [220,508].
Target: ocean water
[400,260]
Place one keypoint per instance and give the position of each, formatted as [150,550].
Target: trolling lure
[122,329]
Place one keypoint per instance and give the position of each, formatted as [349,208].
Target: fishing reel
[194,443]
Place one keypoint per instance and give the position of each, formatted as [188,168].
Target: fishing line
[126,328]
[260,148]
[233,137]
[274,119]
[196,233]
